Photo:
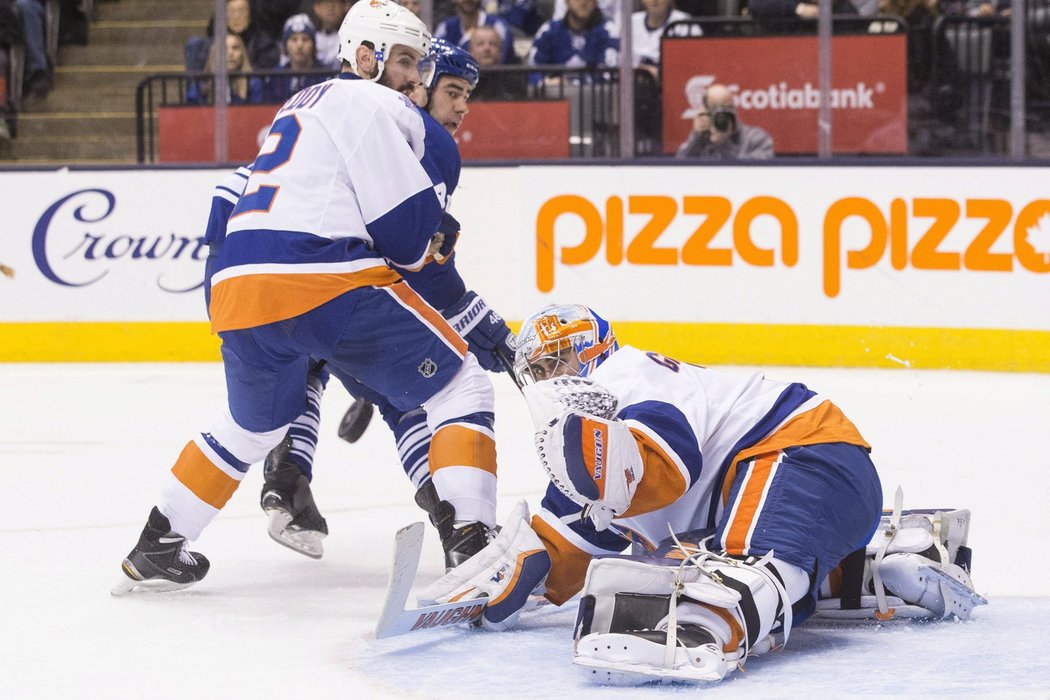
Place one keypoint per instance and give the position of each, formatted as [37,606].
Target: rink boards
[923,267]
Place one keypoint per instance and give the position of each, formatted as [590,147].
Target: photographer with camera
[719,133]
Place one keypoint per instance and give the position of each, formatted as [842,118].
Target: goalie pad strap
[748,609]
[852,568]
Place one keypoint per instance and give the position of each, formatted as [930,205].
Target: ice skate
[460,540]
[160,560]
[293,518]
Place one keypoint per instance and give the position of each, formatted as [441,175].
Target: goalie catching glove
[507,571]
[591,457]
[485,331]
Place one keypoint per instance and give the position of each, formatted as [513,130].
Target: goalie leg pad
[915,566]
[691,621]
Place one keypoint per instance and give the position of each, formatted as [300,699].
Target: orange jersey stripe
[749,502]
[568,563]
[412,300]
[248,301]
[207,482]
[662,483]
[824,424]
[459,446]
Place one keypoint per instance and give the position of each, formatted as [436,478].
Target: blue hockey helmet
[562,339]
[450,59]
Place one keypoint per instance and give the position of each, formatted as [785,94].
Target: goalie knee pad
[693,620]
[915,566]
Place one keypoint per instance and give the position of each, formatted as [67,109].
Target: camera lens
[723,121]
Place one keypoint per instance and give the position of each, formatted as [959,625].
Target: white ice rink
[83,449]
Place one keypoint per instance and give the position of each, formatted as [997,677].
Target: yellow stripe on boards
[843,346]
[700,343]
[108,342]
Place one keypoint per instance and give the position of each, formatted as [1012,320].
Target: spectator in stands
[300,56]
[458,28]
[582,38]
[262,50]
[647,27]
[486,46]
[934,75]
[270,15]
[610,10]
[37,70]
[523,15]
[243,89]
[718,132]
[327,16]
[804,9]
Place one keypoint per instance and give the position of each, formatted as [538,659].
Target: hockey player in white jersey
[338,201]
[764,486]
[294,519]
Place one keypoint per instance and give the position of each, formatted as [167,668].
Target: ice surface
[83,449]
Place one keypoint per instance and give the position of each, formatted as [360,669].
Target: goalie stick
[396,620]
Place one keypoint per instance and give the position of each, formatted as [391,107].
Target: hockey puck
[355,420]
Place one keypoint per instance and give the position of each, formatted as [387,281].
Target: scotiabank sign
[776,83]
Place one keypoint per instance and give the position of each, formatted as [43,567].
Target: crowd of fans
[293,43]
[576,34]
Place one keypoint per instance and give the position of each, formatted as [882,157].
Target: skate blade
[959,599]
[128,585]
[305,542]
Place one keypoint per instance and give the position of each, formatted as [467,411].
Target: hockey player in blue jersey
[339,201]
[293,517]
[763,486]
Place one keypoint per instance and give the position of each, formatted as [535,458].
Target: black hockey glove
[485,331]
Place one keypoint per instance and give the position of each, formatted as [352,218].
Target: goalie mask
[383,24]
[563,339]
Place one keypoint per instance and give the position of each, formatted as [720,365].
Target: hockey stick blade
[408,545]
[355,420]
[395,619]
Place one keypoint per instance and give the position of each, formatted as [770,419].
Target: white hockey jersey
[338,186]
[692,426]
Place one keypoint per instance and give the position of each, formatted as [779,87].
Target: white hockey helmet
[560,340]
[383,24]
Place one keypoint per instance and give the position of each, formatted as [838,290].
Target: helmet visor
[426,70]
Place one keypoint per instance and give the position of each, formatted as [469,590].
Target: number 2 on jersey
[287,129]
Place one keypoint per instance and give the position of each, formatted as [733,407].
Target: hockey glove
[443,242]
[507,571]
[485,331]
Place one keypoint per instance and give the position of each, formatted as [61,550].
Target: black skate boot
[294,520]
[160,560]
[460,541]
